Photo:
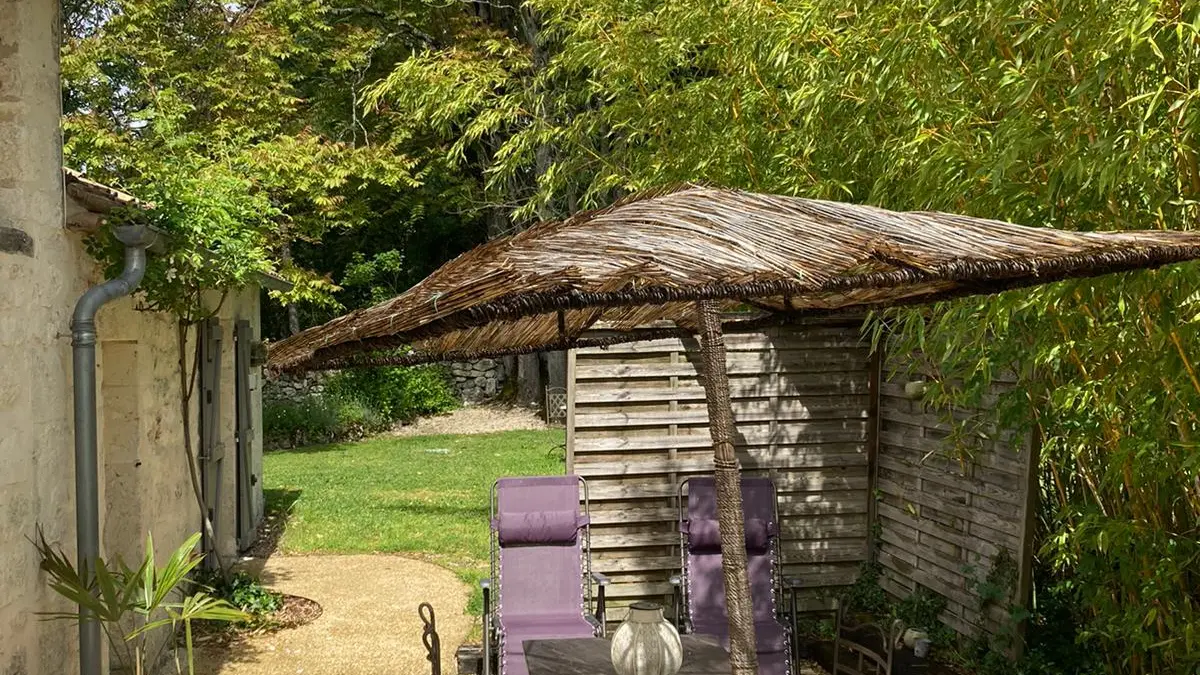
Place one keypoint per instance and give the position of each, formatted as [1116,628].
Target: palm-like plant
[133,605]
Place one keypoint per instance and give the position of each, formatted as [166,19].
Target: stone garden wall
[289,387]
[475,381]
[480,380]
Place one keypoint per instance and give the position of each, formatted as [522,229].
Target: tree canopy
[242,125]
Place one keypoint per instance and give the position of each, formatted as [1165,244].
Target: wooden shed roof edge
[102,200]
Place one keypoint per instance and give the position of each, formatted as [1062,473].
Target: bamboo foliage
[1110,385]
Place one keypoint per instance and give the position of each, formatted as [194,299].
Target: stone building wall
[36,294]
[144,483]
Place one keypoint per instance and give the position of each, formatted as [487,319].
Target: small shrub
[921,610]
[396,394]
[252,597]
[318,419]
[299,422]
[355,419]
[865,594]
[1057,631]
[357,403]
[813,629]
[133,605]
[247,594]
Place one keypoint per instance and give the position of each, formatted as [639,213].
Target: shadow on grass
[279,504]
[347,445]
[280,500]
[419,508]
[314,449]
[414,441]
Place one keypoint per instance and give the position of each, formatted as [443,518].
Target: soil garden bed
[294,611]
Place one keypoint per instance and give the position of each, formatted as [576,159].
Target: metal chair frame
[781,586]
[880,664]
[430,638]
[590,577]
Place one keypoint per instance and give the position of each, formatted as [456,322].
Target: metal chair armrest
[486,585]
[677,600]
[602,581]
[788,611]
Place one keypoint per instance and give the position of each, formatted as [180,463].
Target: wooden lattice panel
[945,514]
[637,426]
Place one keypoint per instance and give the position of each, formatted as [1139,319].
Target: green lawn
[426,495]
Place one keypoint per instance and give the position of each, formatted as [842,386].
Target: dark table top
[590,656]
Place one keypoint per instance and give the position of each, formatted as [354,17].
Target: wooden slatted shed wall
[945,515]
[637,426]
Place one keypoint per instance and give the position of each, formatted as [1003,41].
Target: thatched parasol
[682,256]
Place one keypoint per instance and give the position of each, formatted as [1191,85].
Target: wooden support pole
[730,519]
[572,373]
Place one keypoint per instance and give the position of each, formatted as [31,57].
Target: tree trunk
[730,519]
[530,389]
[293,315]
[556,369]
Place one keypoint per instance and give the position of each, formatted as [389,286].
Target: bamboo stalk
[1187,364]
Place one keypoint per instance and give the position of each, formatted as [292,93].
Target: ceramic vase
[921,648]
[646,643]
[911,635]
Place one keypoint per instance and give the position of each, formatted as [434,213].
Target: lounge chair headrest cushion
[539,527]
[705,536]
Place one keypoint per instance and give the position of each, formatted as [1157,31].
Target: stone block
[16,455]
[18,564]
[50,397]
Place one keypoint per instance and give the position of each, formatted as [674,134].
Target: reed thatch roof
[647,258]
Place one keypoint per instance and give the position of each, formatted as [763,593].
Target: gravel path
[369,625]
[475,419]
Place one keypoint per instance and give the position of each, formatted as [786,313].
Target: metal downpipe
[87,493]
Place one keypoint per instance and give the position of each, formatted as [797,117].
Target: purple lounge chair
[541,569]
[701,588]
